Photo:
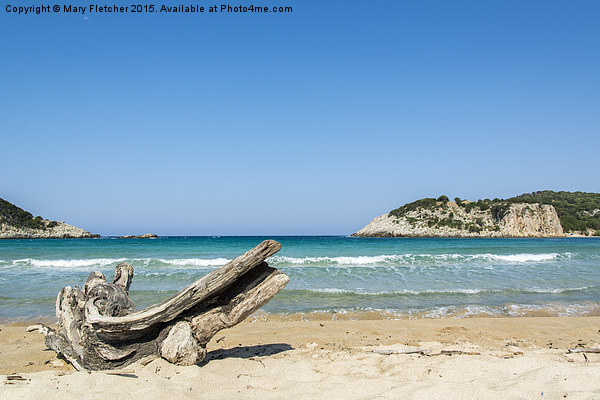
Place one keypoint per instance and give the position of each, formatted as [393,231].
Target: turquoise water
[399,277]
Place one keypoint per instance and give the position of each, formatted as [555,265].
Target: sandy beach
[291,357]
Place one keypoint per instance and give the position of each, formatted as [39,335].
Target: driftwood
[99,328]
[583,350]
[457,353]
[406,351]
[425,352]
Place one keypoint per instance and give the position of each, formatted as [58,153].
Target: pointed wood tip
[272,243]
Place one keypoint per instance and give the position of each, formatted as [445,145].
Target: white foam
[416,258]
[522,257]
[103,262]
[196,262]
[334,291]
[560,310]
[558,290]
[342,260]
[510,310]
[400,292]
[449,291]
[69,263]
[385,260]
[459,312]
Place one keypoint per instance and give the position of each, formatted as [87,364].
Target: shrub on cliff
[474,228]
[451,223]
[484,204]
[469,207]
[499,210]
[51,224]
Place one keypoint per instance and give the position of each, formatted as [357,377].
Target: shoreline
[270,358]
[549,310]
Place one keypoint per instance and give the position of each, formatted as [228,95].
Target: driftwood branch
[426,352]
[584,350]
[406,351]
[100,329]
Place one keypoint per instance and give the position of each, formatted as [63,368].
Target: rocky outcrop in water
[449,219]
[144,236]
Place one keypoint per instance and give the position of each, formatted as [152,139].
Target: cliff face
[531,220]
[59,231]
[450,220]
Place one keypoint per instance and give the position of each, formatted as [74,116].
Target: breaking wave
[80,264]
[419,259]
[67,263]
[286,261]
[197,262]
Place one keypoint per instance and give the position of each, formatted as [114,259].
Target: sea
[330,276]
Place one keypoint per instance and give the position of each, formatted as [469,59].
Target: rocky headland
[16,223]
[527,215]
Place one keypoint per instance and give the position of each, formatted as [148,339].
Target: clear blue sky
[311,122]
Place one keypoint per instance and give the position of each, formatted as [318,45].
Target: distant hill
[16,223]
[538,214]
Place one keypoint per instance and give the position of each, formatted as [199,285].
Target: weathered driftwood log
[100,329]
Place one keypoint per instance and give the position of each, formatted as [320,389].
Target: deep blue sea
[396,277]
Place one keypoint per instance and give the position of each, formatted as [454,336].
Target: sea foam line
[104,262]
[198,262]
[453,312]
[449,291]
[67,263]
[508,310]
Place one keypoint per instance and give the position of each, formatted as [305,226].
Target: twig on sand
[407,351]
[456,353]
[15,377]
[426,352]
[126,372]
[584,350]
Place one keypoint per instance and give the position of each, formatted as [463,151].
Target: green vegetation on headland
[20,218]
[577,211]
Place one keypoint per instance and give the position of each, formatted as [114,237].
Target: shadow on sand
[260,350]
